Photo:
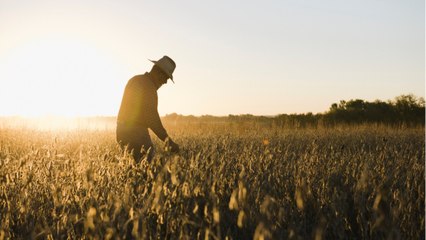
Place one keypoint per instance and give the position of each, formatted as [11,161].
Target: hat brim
[169,75]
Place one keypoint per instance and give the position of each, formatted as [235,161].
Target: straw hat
[167,65]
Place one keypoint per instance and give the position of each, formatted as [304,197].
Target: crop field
[228,182]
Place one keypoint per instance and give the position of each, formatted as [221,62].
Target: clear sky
[233,57]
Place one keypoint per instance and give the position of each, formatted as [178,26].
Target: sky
[74,58]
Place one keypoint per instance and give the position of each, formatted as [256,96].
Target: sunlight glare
[57,76]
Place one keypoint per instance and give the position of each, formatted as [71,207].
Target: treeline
[405,110]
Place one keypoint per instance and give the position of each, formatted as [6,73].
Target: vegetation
[229,181]
[403,111]
[407,110]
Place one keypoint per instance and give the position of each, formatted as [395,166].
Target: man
[138,111]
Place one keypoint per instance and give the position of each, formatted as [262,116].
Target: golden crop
[226,183]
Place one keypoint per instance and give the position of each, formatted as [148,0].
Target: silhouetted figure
[138,111]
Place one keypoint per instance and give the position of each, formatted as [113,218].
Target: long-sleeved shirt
[139,105]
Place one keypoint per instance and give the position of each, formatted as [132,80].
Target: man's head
[163,69]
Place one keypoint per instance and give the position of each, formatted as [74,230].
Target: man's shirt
[139,106]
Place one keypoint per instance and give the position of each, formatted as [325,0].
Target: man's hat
[167,65]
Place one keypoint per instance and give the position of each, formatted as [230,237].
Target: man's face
[160,75]
[163,77]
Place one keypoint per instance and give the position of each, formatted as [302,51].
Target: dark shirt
[139,105]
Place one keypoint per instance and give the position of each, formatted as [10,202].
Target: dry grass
[238,184]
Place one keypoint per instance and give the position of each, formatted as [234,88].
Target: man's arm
[161,132]
[150,113]
[154,122]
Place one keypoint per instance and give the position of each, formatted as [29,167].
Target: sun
[60,76]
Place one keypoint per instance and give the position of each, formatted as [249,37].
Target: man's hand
[171,146]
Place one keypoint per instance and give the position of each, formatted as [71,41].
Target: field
[228,182]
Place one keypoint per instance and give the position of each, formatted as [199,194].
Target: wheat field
[228,182]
